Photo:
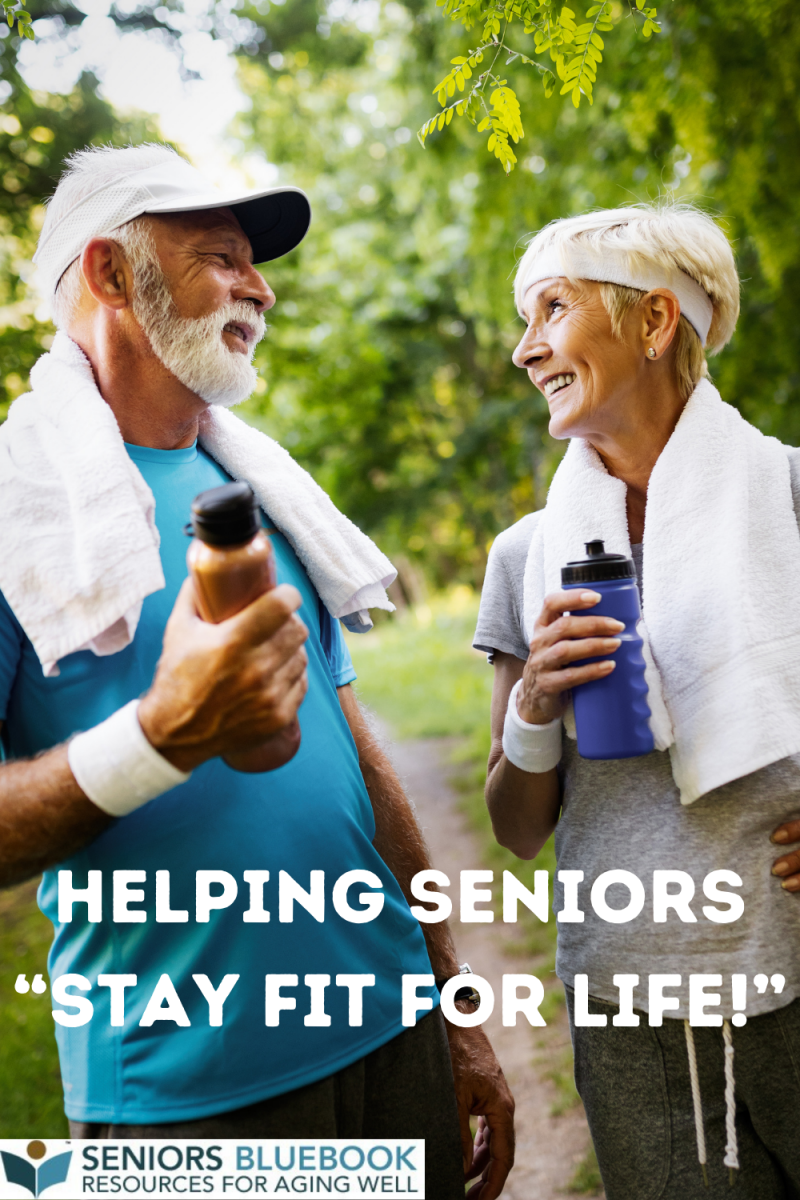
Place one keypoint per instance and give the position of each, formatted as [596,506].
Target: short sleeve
[500,619]
[335,648]
[11,642]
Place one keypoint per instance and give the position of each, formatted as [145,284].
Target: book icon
[36,1179]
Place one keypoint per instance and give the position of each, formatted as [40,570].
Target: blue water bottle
[611,714]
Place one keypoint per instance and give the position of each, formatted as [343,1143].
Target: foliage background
[387,370]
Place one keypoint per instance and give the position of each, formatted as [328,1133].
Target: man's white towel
[79,539]
[721,587]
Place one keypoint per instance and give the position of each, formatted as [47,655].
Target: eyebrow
[232,237]
[537,295]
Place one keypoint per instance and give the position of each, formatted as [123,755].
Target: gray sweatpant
[403,1089]
[635,1086]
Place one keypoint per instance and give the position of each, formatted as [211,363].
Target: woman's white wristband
[117,768]
[532,748]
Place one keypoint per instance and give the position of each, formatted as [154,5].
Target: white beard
[192,348]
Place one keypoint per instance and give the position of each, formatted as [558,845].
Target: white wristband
[532,748]
[117,768]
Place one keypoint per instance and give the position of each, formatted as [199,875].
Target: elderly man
[160,307]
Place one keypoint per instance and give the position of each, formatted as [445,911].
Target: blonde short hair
[689,355]
[670,236]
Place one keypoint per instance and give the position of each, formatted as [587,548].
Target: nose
[253,287]
[532,349]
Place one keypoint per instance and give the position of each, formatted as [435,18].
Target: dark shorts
[403,1089]
[636,1088]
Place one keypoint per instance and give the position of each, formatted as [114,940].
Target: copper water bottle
[232,563]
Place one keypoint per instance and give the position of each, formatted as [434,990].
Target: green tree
[387,369]
[37,132]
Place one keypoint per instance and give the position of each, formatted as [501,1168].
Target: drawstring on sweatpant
[697,1102]
[731,1148]
[731,1159]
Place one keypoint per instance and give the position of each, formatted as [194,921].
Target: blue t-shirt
[313,814]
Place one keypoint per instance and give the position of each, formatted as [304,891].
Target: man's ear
[107,274]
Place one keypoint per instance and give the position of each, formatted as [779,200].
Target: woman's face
[590,378]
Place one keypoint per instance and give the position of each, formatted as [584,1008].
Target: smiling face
[591,378]
[199,300]
[207,261]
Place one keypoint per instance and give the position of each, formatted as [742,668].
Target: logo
[36,1179]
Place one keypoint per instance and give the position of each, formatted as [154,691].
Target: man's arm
[217,688]
[480,1085]
[44,816]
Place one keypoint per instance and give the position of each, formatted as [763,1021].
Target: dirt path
[549,1148]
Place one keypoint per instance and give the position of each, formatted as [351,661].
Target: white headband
[614,267]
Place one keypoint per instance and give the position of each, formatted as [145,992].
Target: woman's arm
[523,806]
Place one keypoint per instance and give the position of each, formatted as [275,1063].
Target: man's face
[200,301]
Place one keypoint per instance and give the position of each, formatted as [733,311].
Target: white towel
[721,587]
[79,539]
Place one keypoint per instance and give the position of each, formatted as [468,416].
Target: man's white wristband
[532,748]
[117,768]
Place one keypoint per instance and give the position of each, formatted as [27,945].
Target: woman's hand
[557,641]
[787,867]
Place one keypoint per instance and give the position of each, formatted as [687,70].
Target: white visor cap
[275,220]
[616,267]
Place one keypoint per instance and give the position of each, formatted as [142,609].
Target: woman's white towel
[721,587]
[79,539]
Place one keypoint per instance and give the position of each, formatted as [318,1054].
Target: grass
[419,672]
[31,1102]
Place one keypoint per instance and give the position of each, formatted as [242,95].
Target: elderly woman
[619,306]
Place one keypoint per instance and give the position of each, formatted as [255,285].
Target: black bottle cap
[225,516]
[598,566]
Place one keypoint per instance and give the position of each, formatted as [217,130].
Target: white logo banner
[67,1170]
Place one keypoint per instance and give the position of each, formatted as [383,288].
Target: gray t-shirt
[626,814]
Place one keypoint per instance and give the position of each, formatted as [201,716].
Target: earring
[651,352]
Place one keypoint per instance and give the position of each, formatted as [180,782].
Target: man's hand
[482,1091]
[787,867]
[225,688]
